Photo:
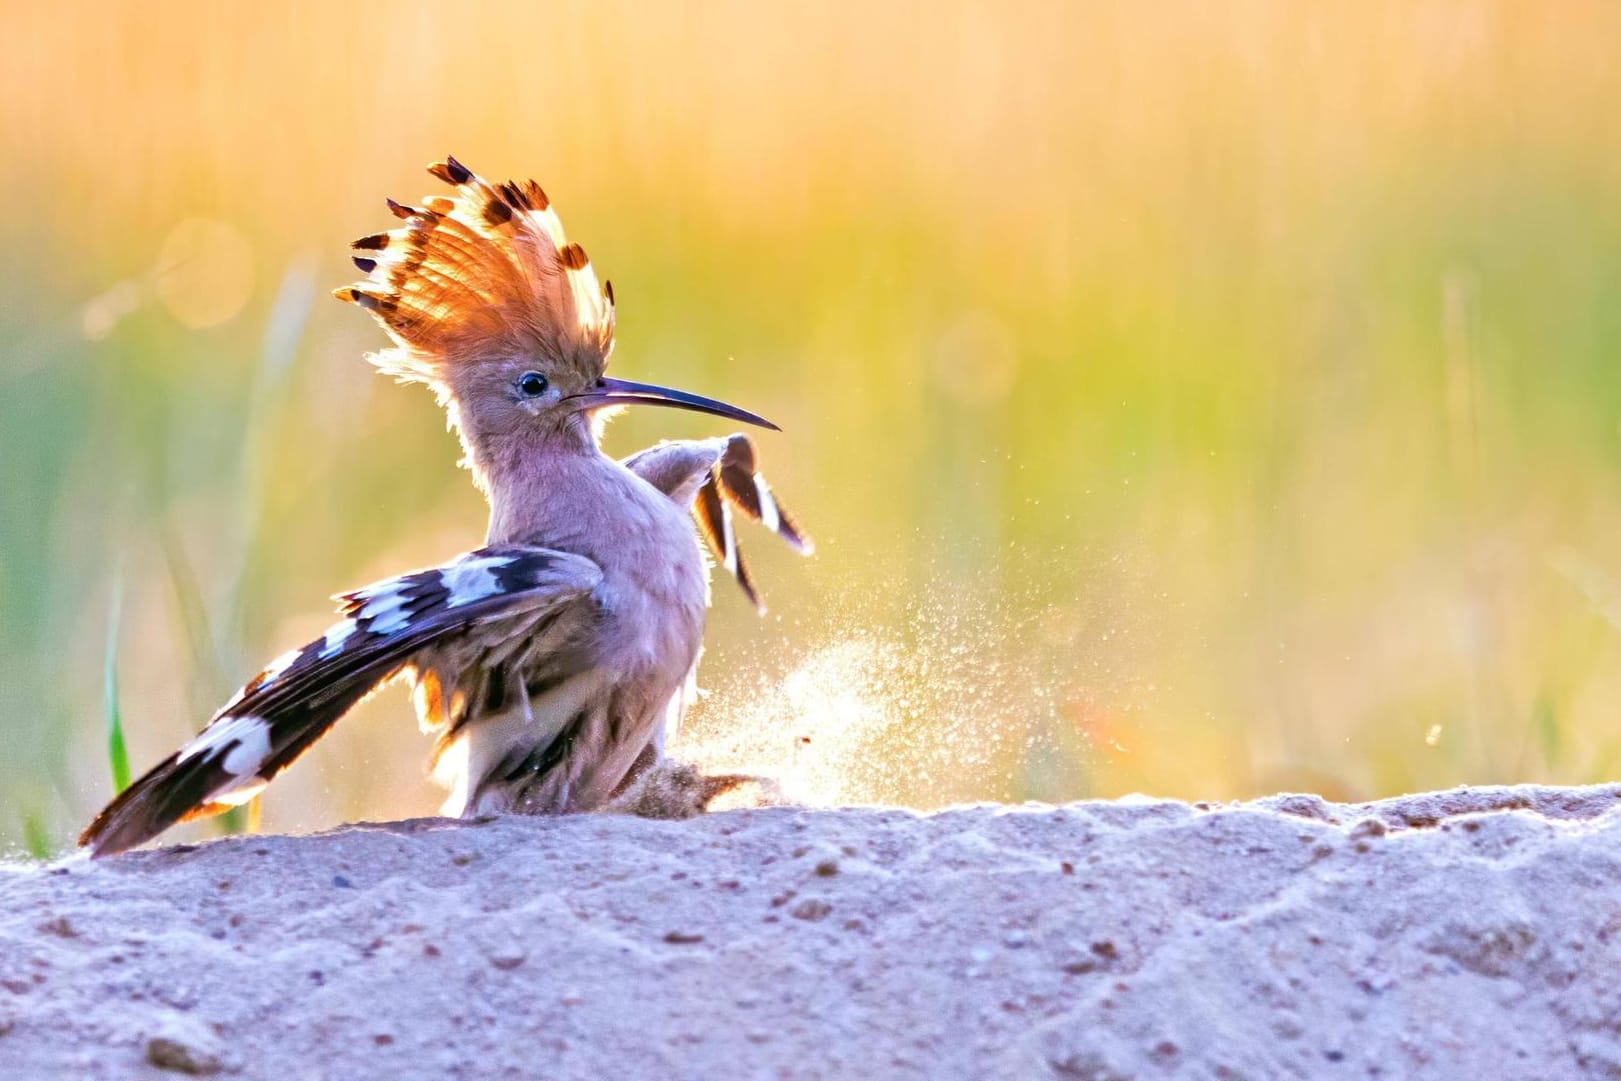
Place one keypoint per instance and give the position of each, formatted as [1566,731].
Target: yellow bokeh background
[1199,399]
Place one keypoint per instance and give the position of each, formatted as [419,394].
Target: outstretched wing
[715,475]
[288,706]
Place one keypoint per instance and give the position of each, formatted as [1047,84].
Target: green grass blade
[35,837]
[117,752]
[1548,729]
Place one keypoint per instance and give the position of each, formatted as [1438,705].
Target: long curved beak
[624,392]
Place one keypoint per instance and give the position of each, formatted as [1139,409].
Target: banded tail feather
[290,704]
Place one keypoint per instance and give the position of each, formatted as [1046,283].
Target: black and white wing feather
[279,713]
[736,481]
[716,475]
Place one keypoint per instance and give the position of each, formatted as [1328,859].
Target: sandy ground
[1470,934]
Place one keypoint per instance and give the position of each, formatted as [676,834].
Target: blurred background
[1202,400]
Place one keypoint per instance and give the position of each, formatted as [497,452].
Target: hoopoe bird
[554,663]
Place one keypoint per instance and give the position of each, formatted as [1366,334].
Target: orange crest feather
[486,273]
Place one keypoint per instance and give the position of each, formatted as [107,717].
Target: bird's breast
[654,592]
[654,589]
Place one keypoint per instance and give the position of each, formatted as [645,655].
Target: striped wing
[288,706]
[727,475]
[735,481]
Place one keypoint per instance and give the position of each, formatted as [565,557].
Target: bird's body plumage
[553,663]
[604,697]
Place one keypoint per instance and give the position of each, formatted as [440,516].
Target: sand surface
[1470,934]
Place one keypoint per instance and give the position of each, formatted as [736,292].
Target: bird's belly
[497,743]
[570,747]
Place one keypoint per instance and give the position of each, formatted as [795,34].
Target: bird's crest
[486,272]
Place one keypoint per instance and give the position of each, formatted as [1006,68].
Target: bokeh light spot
[204,272]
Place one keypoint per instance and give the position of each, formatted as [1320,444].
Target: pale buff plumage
[554,662]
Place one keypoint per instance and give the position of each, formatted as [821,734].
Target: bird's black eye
[531,384]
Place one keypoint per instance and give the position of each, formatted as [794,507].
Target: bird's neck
[551,492]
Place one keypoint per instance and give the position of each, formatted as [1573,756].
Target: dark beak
[624,392]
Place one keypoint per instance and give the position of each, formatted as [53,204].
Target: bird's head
[489,304]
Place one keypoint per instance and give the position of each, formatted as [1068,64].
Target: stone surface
[1468,934]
